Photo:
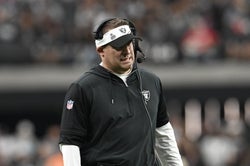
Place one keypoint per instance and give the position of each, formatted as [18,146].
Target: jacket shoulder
[86,79]
[145,73]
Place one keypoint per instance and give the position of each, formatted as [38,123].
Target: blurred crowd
[24,148]
[60,31]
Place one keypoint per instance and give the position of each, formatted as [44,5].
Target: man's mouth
[125,58]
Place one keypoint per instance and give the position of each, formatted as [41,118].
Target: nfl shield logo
[146,95]
[70,104]
[112,36]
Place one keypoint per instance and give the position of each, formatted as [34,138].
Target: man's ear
[100,51]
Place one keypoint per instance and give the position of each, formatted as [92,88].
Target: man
[115,114]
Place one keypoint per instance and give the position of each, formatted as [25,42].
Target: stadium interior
[200,49]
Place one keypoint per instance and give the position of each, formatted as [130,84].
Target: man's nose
[126,48]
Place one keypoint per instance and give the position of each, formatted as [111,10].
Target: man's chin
[125,68]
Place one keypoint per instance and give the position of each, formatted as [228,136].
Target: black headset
[98,34]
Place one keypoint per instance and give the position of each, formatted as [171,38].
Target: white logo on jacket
[146,95]
[70,104]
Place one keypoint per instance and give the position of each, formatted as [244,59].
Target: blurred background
[199,48]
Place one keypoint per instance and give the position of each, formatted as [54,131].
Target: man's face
[118,61]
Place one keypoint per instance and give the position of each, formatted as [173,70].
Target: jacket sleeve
[166,146]
[74,123]
[162,114]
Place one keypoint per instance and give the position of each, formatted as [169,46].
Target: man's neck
[118,74]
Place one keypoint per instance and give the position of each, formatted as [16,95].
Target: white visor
[113,35]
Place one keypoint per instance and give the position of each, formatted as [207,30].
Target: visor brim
[123,41]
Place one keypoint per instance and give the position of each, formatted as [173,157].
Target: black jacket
[113,124]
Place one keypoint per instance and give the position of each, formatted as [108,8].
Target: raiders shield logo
[146,95]
[70,104]
[123,30]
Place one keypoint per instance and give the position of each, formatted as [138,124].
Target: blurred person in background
[48,152]
[236,25]
[115,114]
[19,148]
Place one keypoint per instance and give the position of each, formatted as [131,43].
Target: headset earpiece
[98,36]
[131,26]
